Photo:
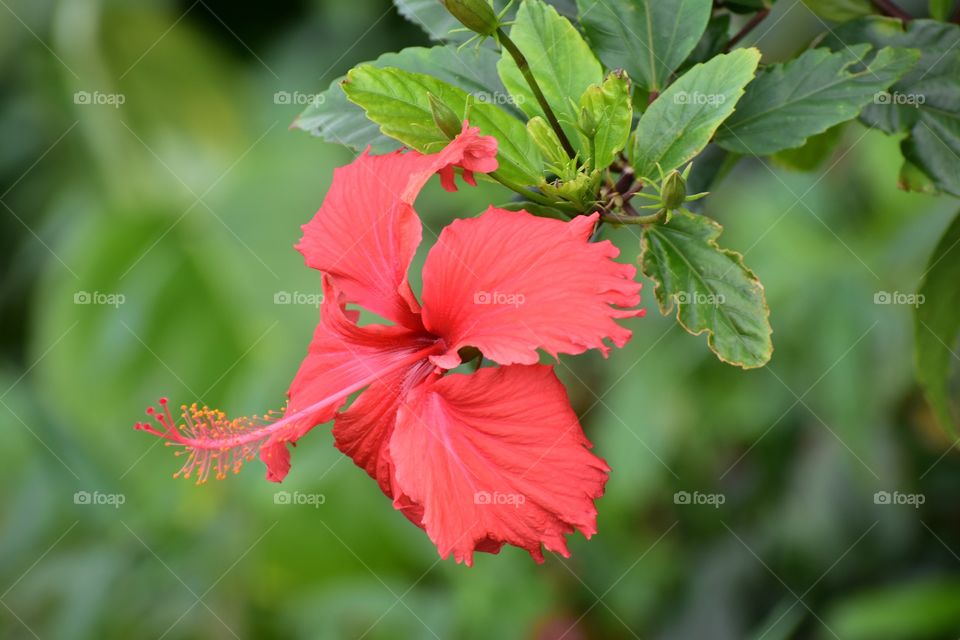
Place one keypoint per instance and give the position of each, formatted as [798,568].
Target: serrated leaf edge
[667,305]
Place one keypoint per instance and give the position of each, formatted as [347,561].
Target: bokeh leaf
[925,102]
[938,326]
[788,103]
[840,10]
[712,288]
[940,9]
[398,101]
[680,123]
[646,38]
[904,611]
[813,153]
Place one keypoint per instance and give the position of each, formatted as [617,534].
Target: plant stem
[747,28]
[533,196]
[626,181]
[524,67]
[618,219]
[890,8]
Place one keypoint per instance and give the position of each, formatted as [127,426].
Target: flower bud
[476,15]
[444,117]
[587,122]
[547,141]
[673,192]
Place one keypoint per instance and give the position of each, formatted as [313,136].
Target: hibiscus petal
[363,431]
[497,457]
[509,283]
[367,231]
[342,358]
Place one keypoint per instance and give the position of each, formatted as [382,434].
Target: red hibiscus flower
[477,460]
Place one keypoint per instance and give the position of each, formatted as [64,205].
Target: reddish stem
[890,8]
[747,28]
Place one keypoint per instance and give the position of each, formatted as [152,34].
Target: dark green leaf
[680,123]
[938,326]
[712,42]
[647,38]
[712,288]
[925,102]
[788,103]
[747,6]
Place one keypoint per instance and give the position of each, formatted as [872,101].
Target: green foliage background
[187,200]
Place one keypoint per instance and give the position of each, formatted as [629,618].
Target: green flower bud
[444,117]
[591,109]
[547,141]
[673,192]
[587,122]
[476,15]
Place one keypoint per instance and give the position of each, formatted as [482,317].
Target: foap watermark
[296,297]
[499,298]
[97,498]
[99,298]
[99,98]
[497,498]
[698,98]
[899,99]
[698,498]
[699,297]
[897,297]
[498,98]
[298,98]
[911,499]
[299,498]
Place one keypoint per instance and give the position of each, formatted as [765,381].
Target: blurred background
[151,195]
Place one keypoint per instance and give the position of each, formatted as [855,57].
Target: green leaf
[712,288]
[335,119]
[559,59]
[788,103]
[925,102]
[940,9]
[647,38]
[904,611]
[840,10]
[747,6]
[680,123]
[609,106]
[398,101]
[712,42]
[938,326]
